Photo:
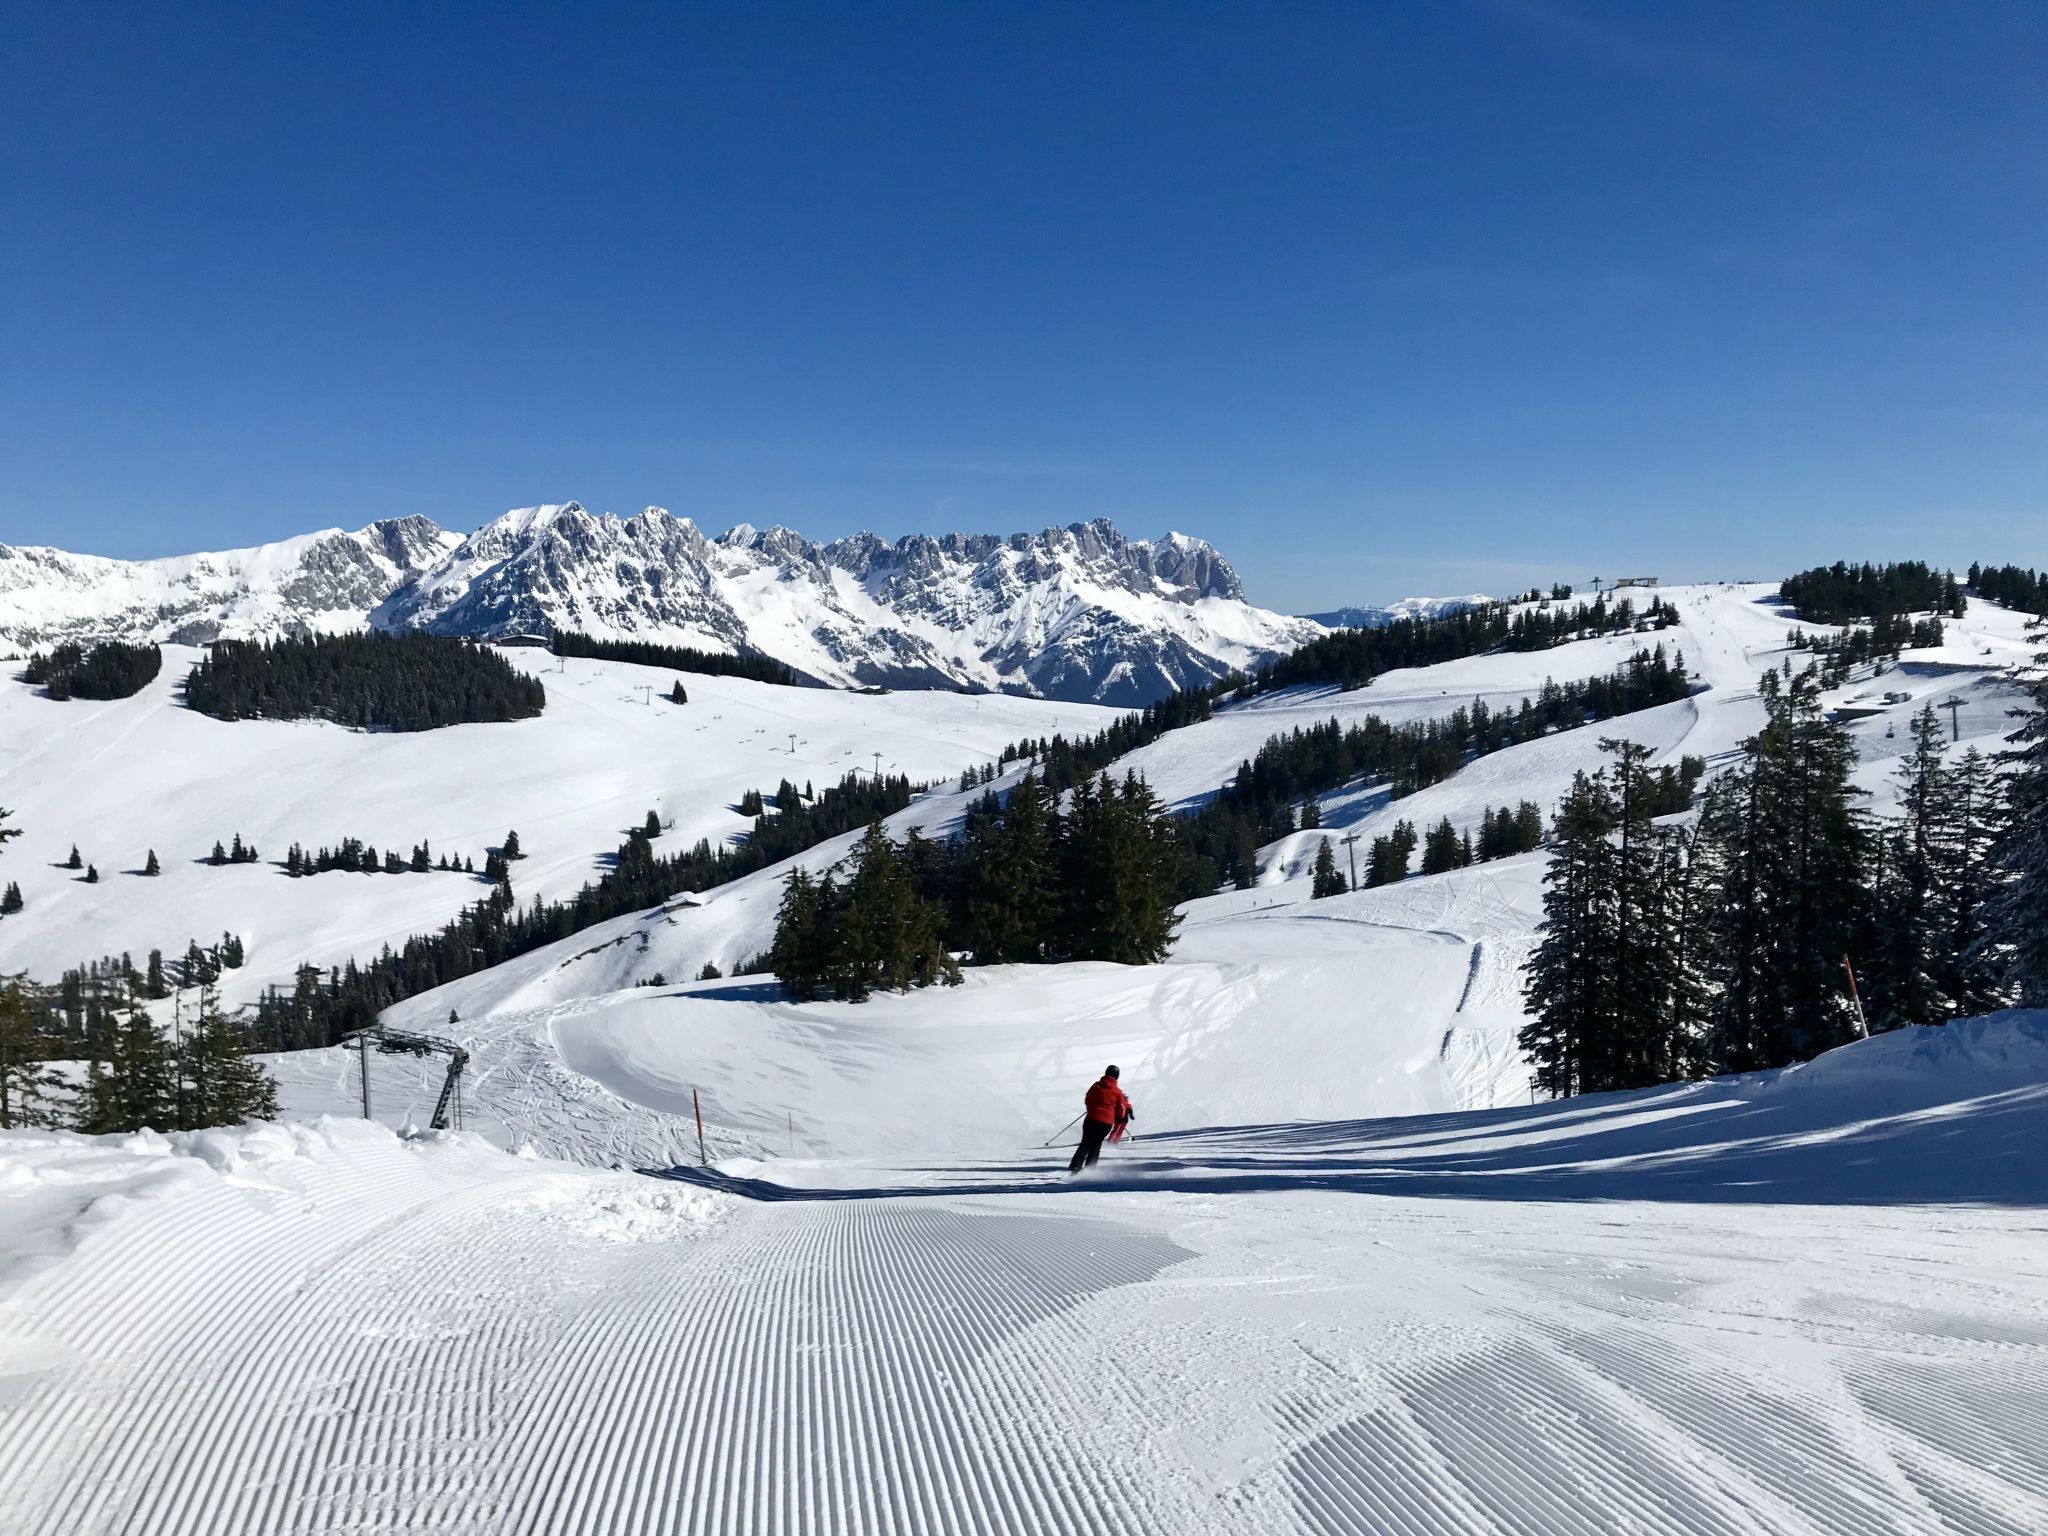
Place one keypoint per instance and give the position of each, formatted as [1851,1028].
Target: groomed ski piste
[1347,1277]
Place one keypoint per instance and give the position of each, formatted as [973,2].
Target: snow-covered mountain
[318,581]
[1392,613]
[1078,613]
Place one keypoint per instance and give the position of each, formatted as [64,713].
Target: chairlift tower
[448,1107]
[1351,852]
[1953,704]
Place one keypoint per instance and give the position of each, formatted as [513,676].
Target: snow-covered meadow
[1348,1277]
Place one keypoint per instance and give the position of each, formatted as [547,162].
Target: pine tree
[150,865]
[1117,860]
[1441,849]
[651,828]
[886,936]
[1387,863]
[1647,1034]
[1567,976]
[2017,916]
[74,862]
[1327,881]
[155,985]
[1912,860]
[10,900]
[1012,902]
[1790,901]
[1965,962]
[92,874]
[7,833]
[219,855]
[131,1081]
[27,1080]
[223,1084]
[1311,814]
[677,695]
[512,852]
[710,972]
[801,954]
[236,853]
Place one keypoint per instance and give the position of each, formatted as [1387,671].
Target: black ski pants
[1092,1134]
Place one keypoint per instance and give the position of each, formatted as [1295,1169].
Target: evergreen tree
[219,856]
[677,694]
[155,985]
[1647,1034]
[1790,898]
[1441,849]
[236,853]
[1965,962]
[1387,862]
[92,874]
[1327,880]
[651,828]
[74,862]
[10,899]
[1311,814]
[1117,862]
[2017,915]
[1013,902]
[710,972]
[1912,861]
[512,852]
[7,833]
[801,956]
[27,1080]
[150,865]
[131,1080]
[1568,979]
[223,1085]
[885,935]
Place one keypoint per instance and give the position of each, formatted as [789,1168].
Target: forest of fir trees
[1025,883]
[126,1070]
[1670,951]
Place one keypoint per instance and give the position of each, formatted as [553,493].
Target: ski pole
[1056,1135]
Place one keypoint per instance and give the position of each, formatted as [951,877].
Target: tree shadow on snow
[1700,1143]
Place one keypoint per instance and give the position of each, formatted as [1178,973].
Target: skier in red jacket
[1107,1111]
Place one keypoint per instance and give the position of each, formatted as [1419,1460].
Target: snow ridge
[1080,613]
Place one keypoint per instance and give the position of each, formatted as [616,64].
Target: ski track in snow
[1608,1314]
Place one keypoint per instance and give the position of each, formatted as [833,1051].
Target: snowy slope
[1813,1301]
[1422,979]
[121,777]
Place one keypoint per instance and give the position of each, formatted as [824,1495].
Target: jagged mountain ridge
[1080,612]
[321,582]
[1393,613]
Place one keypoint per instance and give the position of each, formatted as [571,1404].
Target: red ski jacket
[1106,1102]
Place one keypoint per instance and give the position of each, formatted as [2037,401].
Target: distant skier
[1107,1113]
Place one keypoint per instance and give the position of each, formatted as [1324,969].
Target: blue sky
[1380,300]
